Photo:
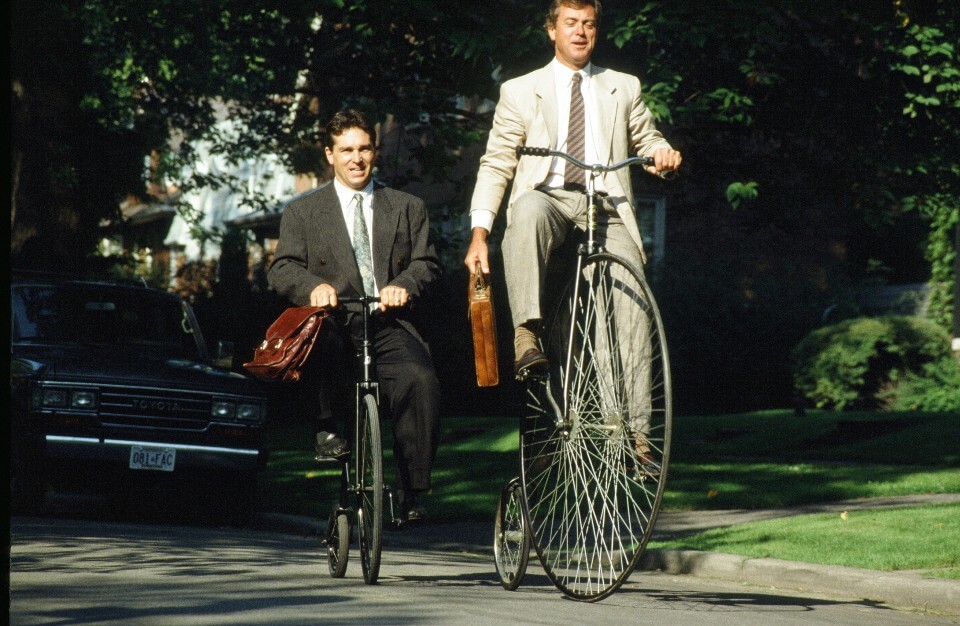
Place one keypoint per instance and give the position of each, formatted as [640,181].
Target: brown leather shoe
[532,362]
[648,466]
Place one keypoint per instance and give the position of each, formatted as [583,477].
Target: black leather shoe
[411,509]
[330,446]
[532,362]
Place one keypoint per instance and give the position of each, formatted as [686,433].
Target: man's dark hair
[342,121]
[555,5]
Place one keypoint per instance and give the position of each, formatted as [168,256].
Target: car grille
[148,408]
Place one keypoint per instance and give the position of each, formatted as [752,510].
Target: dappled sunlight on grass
[773,485]
[756,460]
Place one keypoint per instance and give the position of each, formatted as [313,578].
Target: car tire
[241,502]
[27,495]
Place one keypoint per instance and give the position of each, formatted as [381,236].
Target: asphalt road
[66,570]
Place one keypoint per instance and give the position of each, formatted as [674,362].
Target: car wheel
[241,502]
[27,493]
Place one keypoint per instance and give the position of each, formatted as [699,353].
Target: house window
[652,219]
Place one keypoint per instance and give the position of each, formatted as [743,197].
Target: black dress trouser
[409,391]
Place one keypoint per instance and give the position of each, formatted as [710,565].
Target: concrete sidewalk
[900,589]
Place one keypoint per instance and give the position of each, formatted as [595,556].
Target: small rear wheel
[511,541]
[338,543]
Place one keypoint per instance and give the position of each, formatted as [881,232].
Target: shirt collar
[564,74]
[346,193]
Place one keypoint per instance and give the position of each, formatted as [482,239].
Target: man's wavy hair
[554,10]
[342,121]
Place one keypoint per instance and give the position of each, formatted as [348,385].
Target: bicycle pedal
[530,375]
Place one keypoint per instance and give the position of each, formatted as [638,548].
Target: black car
[111,382]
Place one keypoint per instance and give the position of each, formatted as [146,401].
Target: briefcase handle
[479,285]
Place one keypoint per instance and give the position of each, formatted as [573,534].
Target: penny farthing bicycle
[595,438]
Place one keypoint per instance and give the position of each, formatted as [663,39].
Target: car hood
[106,364]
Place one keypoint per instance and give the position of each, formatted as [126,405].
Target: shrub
[862,362]
[935,388]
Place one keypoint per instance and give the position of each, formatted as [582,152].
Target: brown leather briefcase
[280,357]
[484,324]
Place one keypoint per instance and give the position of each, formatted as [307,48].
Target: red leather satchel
[281,356]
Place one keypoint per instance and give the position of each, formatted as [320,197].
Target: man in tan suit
[534,110]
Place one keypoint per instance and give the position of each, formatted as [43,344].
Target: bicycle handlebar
[358,299]
[546,152]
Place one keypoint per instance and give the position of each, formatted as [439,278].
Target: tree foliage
[819,137]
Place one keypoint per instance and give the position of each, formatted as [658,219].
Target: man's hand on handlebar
[393,297]
[324,295]
[666,162]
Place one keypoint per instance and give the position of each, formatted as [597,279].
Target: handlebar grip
[530,151]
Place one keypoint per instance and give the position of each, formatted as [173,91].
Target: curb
[905,590]
[901,589]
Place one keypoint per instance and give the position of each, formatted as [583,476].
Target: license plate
[161,459]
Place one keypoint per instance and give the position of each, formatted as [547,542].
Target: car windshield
[87,314]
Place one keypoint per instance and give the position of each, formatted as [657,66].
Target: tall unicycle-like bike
[361,484]
[595,440]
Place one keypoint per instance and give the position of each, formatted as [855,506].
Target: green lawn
[756,460]
[914,538]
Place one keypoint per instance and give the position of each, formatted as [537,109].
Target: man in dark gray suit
[350,237]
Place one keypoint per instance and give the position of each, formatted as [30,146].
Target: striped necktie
[576,135]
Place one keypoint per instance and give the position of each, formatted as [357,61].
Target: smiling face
[351,156]
[574,35]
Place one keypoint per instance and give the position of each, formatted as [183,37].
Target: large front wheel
[369,486]
[596,442]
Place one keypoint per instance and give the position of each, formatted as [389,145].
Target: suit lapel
[545,88]
[385,219]
[606,110]
[334,229]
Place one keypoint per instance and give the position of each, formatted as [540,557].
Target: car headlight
[53,397]
[223,409]
[240,411]
[83,399]
[64,397]
[249,412]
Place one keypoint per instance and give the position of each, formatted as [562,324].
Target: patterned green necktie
[361,245]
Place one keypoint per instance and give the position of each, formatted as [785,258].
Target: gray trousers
[540,222]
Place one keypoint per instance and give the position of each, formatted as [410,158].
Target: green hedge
[935,388]
[888,362]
